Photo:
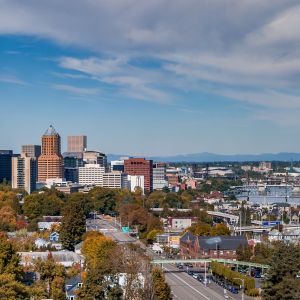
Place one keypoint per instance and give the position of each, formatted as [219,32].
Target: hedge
[231,276]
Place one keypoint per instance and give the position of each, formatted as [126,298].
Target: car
[257,275]
[234,290]
[195,275]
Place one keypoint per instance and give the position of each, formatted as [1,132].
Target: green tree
[100,254]
[52,278]
[162,290]
[72,226]
[243,253]
[12,289]
[11,273]
[152,235]
[220,229]
[9,259]
[281,281]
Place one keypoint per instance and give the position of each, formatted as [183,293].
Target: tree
[9,259]
[281,280]
[243,253]
[201,229]
[100,254]
[12,289]
[8,218]
[43,204]
[220,229]
[72,226]
[52,278]
[152,235]
[162,290]
[11,273]
[262,253]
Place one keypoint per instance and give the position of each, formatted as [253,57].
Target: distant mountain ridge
[212,157]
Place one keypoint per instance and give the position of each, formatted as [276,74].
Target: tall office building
[95,157]
[5,165]
[24,172]
[142,167]
[91,174]
[159,176]
[77,143]
[32,150]
[50,163]
[72,161]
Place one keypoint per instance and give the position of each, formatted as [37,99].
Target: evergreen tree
[11,272]
[281,282]
[72,226]
[162,290]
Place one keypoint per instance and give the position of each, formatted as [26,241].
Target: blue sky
[152,77]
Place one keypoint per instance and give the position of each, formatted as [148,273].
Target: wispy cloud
[11,79]
[75,90]
[252,58]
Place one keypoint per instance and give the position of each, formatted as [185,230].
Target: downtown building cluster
[78,169]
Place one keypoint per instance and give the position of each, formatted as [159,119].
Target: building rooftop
[51,131]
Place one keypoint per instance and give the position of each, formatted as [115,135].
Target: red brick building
[141,167]
[192,246]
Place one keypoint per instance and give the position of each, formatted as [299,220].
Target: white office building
[135,181]
[91,174]
[114,180]
[159,176]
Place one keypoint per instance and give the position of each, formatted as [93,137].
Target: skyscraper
[77,143]
[142,167]
[32,150]
[50,163]
[5,165]
[24,172]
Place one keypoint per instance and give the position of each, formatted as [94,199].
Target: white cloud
[11,79]
[240,45]
[75,90]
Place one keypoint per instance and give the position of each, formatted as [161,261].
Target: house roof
[221,242]
[188,237]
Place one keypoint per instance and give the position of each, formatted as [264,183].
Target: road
[110,229]
[185,287]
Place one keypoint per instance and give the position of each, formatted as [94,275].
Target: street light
[243,285]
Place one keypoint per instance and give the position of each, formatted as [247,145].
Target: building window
[221,253]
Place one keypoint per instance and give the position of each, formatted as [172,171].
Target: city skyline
[150,79]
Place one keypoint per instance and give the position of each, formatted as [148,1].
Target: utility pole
[240,222]
[243,286]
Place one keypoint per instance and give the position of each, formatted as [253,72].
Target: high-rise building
[114,180]
[77,143]
[91,174]
[50,163]
[159,176]
[24,172]
[142,167]
[72,161]
[117,165]
[95,157]
[5,165]
[32,150]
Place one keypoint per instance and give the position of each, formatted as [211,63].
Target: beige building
[24,173]
[32,150]
[77,143]
[50,163]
